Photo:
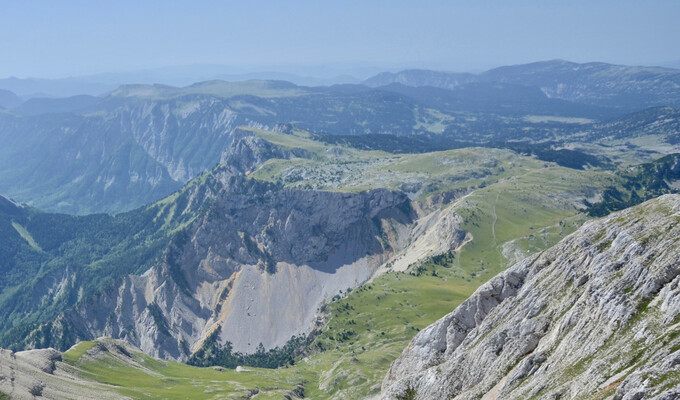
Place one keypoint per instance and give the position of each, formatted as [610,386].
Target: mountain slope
[596,83]
[224,252]
[8,99]
[664,121]
[639,183]
[112,369]
[500,204]
[51,262]
[36,106]
[593,317]
[69,259]
[508,99]
[112,161]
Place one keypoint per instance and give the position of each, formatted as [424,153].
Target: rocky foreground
[595,317]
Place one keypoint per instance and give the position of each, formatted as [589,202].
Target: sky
[51,39]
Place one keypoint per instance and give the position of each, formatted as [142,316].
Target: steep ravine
[594,317]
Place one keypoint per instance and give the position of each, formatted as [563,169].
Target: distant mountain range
[597,84]
[101,84]
[587,83]
[112,153]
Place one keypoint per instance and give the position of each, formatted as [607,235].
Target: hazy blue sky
[57,38]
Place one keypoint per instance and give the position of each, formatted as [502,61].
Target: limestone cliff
[595,317]
[256,265]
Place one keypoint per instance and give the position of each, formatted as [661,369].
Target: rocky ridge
[596,316]
[31,374]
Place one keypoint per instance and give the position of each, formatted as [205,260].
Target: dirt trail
[495,218]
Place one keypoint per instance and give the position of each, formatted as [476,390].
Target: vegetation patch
[27,236]
[158,318]
[409,393]
[213,353]
[74,353]
[638,184]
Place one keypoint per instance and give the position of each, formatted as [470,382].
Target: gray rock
[42,359]
[41,374]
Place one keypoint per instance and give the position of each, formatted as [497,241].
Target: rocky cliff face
[119,157]
[595,317]
[185,135]
[255,264]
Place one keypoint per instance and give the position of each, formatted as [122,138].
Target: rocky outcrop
[248,152]
[41,374]
[595,317]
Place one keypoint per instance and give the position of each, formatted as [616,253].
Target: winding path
[495,218]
